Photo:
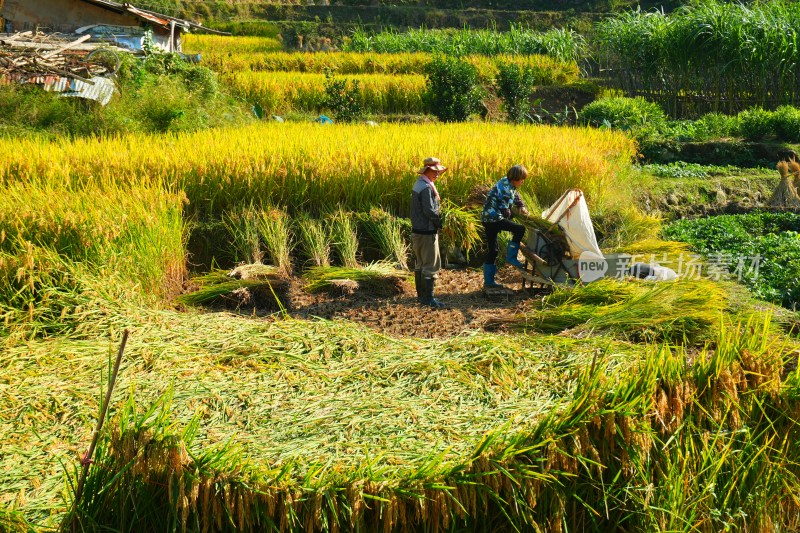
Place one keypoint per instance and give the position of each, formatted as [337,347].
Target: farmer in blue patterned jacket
[496,217]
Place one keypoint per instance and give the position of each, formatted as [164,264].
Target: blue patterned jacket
[499,201]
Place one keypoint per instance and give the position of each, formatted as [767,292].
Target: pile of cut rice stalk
[685,311]
[379,278]
[251,286]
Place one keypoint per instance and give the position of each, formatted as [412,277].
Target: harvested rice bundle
[379,279]
[248,286]
[786,195]
[685,312]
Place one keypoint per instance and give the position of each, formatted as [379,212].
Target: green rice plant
[345,238]
[276,234]
[243,228]
[314,240]
[386,232]
[461,229]
[374,277]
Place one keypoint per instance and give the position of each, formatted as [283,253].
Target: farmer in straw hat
[496,217]
[426,221]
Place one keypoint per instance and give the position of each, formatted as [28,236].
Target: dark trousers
[493,228]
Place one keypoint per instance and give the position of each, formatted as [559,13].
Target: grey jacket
[425,210]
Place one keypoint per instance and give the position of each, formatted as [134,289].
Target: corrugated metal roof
[100,89]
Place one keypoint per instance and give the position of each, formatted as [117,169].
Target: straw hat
[432,163]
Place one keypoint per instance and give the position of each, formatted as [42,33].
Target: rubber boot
[511,254]
[430,301]
[418,285]
[489,271]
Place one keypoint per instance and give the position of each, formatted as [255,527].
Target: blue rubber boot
[489,271]
[511,254]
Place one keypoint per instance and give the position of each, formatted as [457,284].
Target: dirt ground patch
[468,308]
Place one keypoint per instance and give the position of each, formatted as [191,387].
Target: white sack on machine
[571,213]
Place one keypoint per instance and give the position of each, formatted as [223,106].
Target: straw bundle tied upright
[786,194]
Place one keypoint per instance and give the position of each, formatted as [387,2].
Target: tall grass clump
[276,234]
[314,240]
[623,113]
[707,56]
[386,233]
[344,236]
[245,236]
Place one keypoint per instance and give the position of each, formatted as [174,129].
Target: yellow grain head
[663,413]
[184,506]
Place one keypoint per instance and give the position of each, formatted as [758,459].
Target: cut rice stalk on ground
[381,279]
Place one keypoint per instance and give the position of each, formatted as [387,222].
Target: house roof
[152,17]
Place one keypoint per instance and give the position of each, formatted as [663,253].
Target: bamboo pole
[87,459]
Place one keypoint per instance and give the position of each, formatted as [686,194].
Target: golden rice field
[283,92]
[228,45]
[310,167]
[230,54]
[615,406]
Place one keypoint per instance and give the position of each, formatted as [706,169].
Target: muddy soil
[468,308]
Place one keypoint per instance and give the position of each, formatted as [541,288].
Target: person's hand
[524,211]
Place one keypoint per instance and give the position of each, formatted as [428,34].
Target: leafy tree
[454,92]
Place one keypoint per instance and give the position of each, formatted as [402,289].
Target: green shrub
[786,121]
[755,124]
[514,85]
[342,98]
[453,92]
[623,113]
[28,107]
[715,126]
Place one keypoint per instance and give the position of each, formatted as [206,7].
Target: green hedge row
[389,16]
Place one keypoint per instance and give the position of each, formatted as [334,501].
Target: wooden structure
[120,23]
